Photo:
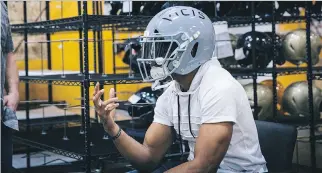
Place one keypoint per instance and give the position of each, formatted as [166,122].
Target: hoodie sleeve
[161,112]
[219,105]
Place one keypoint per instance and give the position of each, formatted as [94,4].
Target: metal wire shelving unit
[84,23]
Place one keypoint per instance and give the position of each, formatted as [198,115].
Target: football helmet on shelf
[132,52]
[264,100]
[143,108]
[263,49]
[295,100]
[280,60]
[294,47]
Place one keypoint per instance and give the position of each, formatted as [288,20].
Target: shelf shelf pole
[310,83]
[81,66]
[86,83]
[25,19]
[27,96]
[49,64]
[114,57]
[94,11]
[254,61]
[274,74]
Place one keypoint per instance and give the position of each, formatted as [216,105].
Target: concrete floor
[40,159]
[303,148]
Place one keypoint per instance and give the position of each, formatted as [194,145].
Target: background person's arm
[12,74]
[11,100]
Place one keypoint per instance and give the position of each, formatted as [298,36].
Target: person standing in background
[9,98]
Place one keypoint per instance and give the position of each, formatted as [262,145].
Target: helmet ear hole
[194,50]
[291,46]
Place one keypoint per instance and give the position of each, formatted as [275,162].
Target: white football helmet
[177,40]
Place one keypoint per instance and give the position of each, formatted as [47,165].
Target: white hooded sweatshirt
[214,96]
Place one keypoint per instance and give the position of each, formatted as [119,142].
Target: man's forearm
[12,74]
[194,166]
[188,167]
[132,150]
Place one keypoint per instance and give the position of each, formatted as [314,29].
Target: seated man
[204,103]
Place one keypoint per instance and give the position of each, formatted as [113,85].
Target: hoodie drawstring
[190,118]
[181,149]
[179,120]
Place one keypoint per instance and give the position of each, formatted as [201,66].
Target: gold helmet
[294,47]
[264,100]
[295,100]
[279,88]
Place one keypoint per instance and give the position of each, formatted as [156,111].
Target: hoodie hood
[198,77]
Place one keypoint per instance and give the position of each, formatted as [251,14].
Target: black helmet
[132,52]
[263,45]
[134,42]
[146,96]
[144,107]
[280,60]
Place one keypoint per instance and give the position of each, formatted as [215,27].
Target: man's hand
[106,109]
[158,138]
[12,100]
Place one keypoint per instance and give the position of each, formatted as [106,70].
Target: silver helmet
[295,100]
[294,47]
[264,100]
[226,62]
[177,40]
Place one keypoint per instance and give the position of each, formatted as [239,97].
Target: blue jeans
[164,167]
[6,149]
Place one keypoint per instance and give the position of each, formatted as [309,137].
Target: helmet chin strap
[160,74]
[156,85]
